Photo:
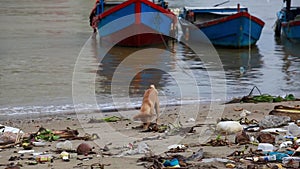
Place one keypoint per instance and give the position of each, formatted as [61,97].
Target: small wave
[69,108]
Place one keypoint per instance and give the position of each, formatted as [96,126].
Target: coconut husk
[266,138]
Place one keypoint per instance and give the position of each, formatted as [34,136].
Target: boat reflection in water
[240,62]
[130,71]
[291,62]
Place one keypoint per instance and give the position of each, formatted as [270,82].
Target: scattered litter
[268,158]
[141,149]
[292,112]
[84,148]
[217,142]
[279,155]
[107,119]
[174,163]
[229,127]
[191,120]
[44,158]
[285,144]
[266,147]
[266,138]
[274,130]
[66,145]
[238,108]
[174,146]
[31,162]
[38,143]
[196,156]
[293,129]
[245,113]
[222,160]
[25,151]
[230,165]
[26,146]
[157,137]
[8,138]
[64,156]
[286,160]
[242,138]
[272,121]
[9,129]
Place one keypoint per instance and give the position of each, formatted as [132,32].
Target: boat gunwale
[228,18]
[129,2]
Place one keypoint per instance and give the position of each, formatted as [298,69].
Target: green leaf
[55,137]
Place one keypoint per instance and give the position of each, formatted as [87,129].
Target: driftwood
[67,133]
[10,145]
[292,112]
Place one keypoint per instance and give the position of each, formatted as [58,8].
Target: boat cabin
[288,14]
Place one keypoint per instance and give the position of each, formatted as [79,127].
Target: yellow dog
[149,106]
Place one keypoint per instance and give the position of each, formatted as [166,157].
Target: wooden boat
[288,22]
[223,26]
[134,22]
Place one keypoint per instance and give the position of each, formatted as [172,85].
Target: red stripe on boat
[291,23]
[126,3]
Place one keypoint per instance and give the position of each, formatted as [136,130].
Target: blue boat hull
[291,30]
[288,22]
[237,30]
[136,23]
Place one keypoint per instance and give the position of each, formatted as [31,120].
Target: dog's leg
[157,110]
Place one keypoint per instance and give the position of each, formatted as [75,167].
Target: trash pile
[272,142]
[31,148]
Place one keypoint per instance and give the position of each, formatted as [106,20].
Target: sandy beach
[120,135]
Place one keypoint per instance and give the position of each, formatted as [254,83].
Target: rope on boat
[249,47]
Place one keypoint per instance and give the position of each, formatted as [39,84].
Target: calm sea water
[41,42]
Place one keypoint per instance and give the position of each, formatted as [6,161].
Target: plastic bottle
[269,158]
[265,147]
[293,129]
[66,145]
[279,155]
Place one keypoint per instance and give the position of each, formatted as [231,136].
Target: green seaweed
[46,134]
